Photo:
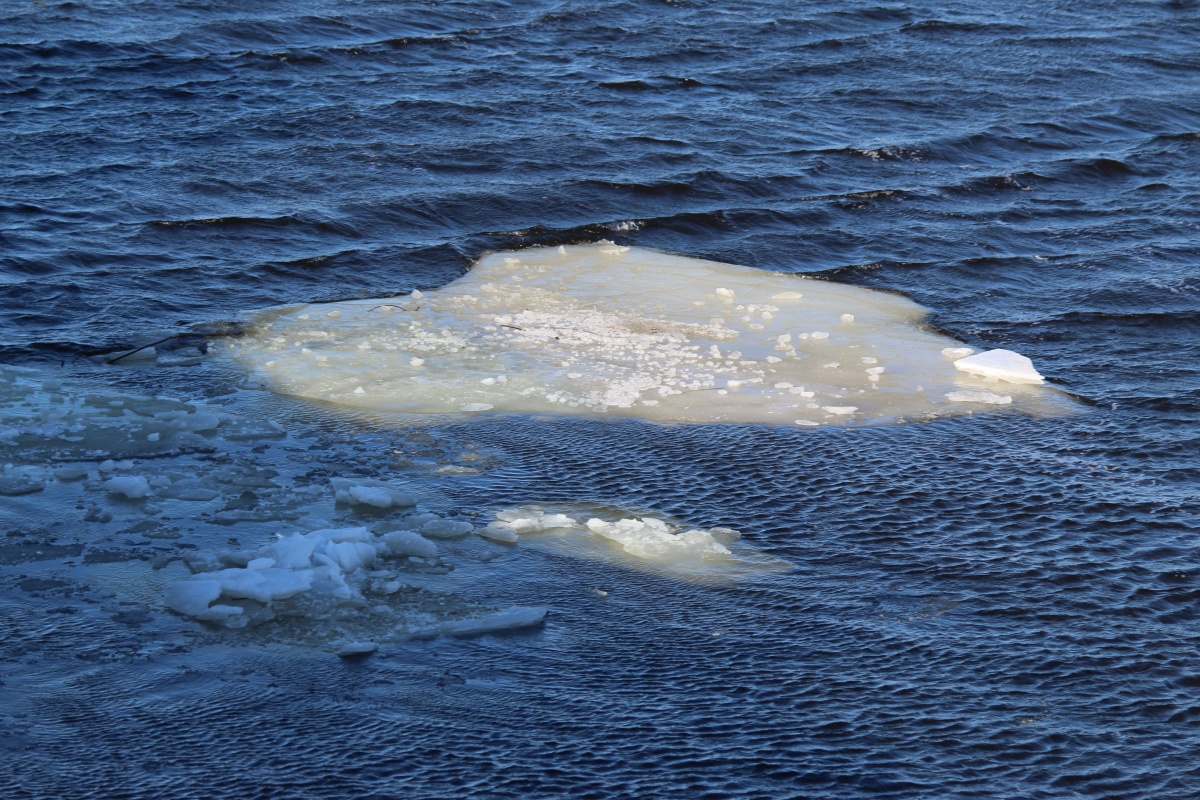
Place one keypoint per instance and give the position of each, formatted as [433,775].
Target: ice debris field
[218,513]
[610,330]
[231,520]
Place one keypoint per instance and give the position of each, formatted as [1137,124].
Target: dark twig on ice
[115,359]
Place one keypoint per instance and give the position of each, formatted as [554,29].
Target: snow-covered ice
[1004,365]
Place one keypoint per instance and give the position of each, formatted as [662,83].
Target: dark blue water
[982,608]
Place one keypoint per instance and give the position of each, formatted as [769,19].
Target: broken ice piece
[972,396]
[357,649]
[135,487]
[1004,365]
[840,409]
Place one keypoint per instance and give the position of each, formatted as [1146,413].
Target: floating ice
[1004,365]
[979,396]
[366,492]
[505,620]
[645,542]
[135,487]
[601,329]
[653,538]
[353,649]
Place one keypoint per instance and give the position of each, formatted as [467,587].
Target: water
[998,606]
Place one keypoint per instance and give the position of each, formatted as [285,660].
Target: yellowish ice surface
[604,329]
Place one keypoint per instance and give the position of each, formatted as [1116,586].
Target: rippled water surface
[997,606]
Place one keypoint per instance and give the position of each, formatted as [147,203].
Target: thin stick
[140,349]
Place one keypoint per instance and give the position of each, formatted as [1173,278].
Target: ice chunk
[842,410]
[979,396]
[192,597]
[376,494]
[496,534]
[446,528]
[350,556]
[407,543]
[355,649]
[955,353]
[1004,365]
[263,585]
[652,538]
[135,487]
[532,519]
[15,480]
[508,619]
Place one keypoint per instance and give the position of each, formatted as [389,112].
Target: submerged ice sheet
[605,329]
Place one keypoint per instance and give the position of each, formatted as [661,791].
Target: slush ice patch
[602,330]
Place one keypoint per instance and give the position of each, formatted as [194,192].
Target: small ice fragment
[135,487]
[820,335]
[574,375]
[972,396]
[333,314]
[783,385]
[357,649]
[875,370]
[370,496]
[831,365]
[407,543]
[417,294]
[840,409]
[191,597]
[598,592]
[359,390]
[488,381]
[71,472]
[495,534]
[847,319]
[870,360]
[477,407]
[154,437]
[806,422]
[956,353]
[562,251]
[509,618]
[416,362]
[446,528]
[787,296]
[726,293]
[1003,365]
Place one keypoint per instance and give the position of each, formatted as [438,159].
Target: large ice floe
[621,331]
